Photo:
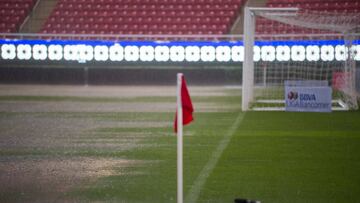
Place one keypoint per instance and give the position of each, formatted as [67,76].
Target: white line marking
[200,181]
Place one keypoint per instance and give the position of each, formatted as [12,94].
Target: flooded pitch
[40,137]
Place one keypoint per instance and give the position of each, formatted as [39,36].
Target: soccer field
[116,144]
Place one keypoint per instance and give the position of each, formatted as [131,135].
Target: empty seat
[13,13]
[144,16]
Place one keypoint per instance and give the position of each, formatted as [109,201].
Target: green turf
[145,99]
[272,156]
[156,182]
[290,157]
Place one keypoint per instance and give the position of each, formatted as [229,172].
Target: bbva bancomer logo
[293,96]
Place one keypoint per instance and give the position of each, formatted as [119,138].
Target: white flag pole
[179,141]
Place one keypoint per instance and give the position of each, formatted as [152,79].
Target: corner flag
[186,104]
[183,116]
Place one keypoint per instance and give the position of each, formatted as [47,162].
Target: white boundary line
[200,181]
[342,105]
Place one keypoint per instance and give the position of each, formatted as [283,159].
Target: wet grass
[290,157]
[234,98]
[157,182]
[272,156]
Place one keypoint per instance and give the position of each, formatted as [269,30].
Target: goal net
[321,47]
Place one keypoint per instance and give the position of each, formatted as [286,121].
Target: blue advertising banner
[308,99]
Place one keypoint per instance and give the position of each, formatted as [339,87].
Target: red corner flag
[187,107]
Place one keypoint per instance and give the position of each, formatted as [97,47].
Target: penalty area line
[200,181]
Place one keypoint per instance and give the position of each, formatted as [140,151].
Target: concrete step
[38,16]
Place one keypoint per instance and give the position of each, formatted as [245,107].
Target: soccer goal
[323,48]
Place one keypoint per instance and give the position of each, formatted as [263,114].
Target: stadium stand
[13,13]
[143,16]
[264,26]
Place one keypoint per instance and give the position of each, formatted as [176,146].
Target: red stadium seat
[13,13]
[145,16]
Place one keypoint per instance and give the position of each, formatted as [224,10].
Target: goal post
[323,47]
